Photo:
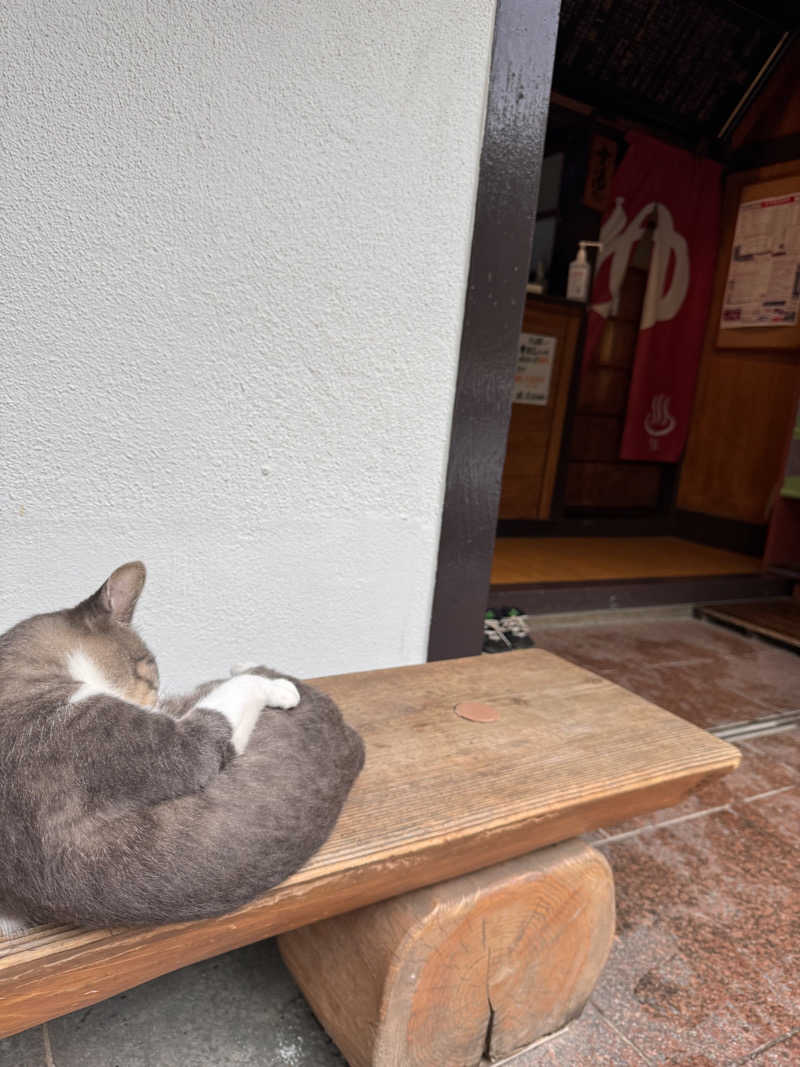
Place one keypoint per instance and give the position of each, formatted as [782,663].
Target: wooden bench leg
[478,966]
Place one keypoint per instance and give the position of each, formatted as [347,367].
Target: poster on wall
[537,353]
[600,174]
[763,285]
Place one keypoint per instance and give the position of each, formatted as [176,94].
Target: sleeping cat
[120,806]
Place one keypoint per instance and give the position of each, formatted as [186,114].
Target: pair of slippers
[505,631]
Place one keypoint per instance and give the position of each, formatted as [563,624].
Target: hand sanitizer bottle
[579,278]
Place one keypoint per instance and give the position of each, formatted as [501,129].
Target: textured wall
[236,245]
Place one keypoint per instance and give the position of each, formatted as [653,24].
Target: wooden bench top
[439,796]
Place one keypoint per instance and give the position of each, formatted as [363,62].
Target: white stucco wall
[234,263]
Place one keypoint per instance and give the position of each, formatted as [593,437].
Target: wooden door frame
[508,184]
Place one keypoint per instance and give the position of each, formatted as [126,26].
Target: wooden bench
[452,914]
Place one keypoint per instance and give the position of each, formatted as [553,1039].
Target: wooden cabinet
[535,431]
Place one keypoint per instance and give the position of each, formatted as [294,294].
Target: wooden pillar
[478,966]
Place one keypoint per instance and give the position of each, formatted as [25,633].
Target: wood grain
[585,559]
[743,410]
[570,752]
[775,113]
[746,389]
[613,485]
[777,618]
[596,478]
[595,438]
[488,962]
[604,391]
[783,541]
[535,432]
[505,207]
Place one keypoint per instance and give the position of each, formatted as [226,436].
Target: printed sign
[602,161]
[537,353]
[763,286]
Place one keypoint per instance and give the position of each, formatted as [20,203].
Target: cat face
[113,660]
[91,646]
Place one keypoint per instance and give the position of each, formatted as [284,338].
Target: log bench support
[476,967]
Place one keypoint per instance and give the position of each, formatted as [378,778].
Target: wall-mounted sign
[763,286]
[600,173]
[537,353]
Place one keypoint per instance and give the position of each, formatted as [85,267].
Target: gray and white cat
[120,806]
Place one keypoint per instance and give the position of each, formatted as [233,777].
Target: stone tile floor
[698,670]
[704,970]
[240,1008]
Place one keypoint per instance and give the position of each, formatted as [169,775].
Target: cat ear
[117,596]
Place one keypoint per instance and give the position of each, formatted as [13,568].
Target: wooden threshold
[777,619]
[542,598]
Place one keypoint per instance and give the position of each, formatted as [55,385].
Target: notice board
[737,194]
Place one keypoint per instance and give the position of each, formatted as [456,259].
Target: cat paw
[283,694]
[241,700]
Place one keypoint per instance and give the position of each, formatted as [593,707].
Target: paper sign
[602,160]
[763,286]
[537,353]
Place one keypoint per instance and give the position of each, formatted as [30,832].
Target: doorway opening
[541,509]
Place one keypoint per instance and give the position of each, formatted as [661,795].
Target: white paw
[283,694]
[277,692]
[240,700]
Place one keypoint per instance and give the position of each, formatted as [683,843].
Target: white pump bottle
[579,278]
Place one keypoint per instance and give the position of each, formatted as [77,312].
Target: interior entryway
[518,560]
[551,467]
[573,507]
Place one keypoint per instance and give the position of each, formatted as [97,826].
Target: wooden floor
[588,559]
[778,619]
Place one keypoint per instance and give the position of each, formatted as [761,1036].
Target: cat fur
[120,806]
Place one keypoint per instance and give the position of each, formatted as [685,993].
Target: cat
[121,806]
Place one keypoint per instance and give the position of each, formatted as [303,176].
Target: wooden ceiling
[674,65]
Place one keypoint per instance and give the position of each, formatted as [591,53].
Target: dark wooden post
[508,186]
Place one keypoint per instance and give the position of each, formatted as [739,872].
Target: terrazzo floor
[704,970]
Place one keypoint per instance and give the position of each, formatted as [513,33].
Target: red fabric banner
[681,193]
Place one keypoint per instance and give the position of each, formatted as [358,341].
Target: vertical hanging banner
[680,193]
